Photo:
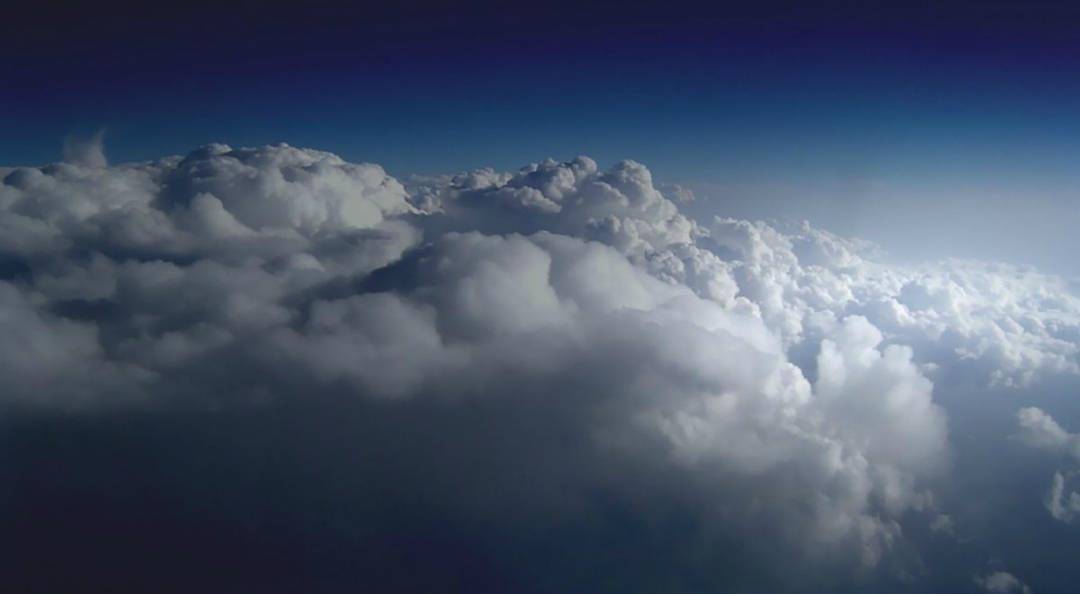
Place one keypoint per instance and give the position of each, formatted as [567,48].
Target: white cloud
[650,341]
[1063,505]
[995,323]
[1001,582]
[1039,429]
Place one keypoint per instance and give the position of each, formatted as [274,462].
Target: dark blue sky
[773,109]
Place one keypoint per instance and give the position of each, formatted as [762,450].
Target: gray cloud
[513,347]
[87,152]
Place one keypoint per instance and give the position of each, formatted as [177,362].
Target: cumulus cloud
[779,376]
[1040,430]
[1002,325]
[1001,582]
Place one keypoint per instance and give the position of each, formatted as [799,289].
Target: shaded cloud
[519,346]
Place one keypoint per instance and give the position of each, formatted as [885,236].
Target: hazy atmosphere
[490,298]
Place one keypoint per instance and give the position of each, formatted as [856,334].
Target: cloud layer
[770,385]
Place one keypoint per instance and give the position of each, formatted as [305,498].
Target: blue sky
[819,112]
[738,92]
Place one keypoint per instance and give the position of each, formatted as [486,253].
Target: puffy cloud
[765,383]
[282,188]
[45,358]
[668,374]
[1004,325]
[215,203]
[620,207]
[1039,429]
[1001,582]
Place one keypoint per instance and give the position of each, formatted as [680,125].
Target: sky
[487,297]
[774,109]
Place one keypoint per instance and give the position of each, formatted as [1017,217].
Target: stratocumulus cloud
[520,348]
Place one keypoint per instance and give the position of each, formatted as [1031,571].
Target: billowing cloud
[523,345]
[1005,325]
